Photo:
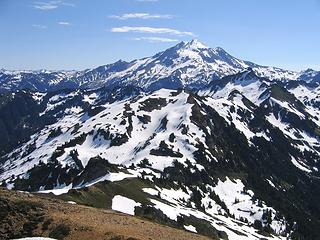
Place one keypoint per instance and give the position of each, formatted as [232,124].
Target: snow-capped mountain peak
[195,44]
[208,157]
[185,65]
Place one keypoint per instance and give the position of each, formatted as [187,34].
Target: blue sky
[79,34]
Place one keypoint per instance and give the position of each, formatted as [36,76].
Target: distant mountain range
[191,137]
[188,64]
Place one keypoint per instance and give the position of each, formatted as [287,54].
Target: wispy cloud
[155,39]
[126,29]
[64,23]
[39,26]
[45,5]
[127,16]
[50,5]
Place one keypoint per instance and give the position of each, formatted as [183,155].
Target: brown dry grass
[88,223]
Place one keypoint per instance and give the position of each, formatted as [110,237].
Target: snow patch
[124,204]
[190,228]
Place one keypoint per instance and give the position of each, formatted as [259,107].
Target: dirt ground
[23,214]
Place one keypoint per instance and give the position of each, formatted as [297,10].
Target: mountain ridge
[187,64]
[237,157]
[235,138]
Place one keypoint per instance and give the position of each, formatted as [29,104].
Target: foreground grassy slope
[25,214]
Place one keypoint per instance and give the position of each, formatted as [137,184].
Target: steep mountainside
[238,159]
[191,137]
[188,64]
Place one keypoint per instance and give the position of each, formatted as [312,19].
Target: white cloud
[64,23]
[39,26]
[126,29]
[45,6]
[155,39]
[50,5]
[141,16]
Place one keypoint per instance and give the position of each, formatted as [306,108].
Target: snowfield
[194,155]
